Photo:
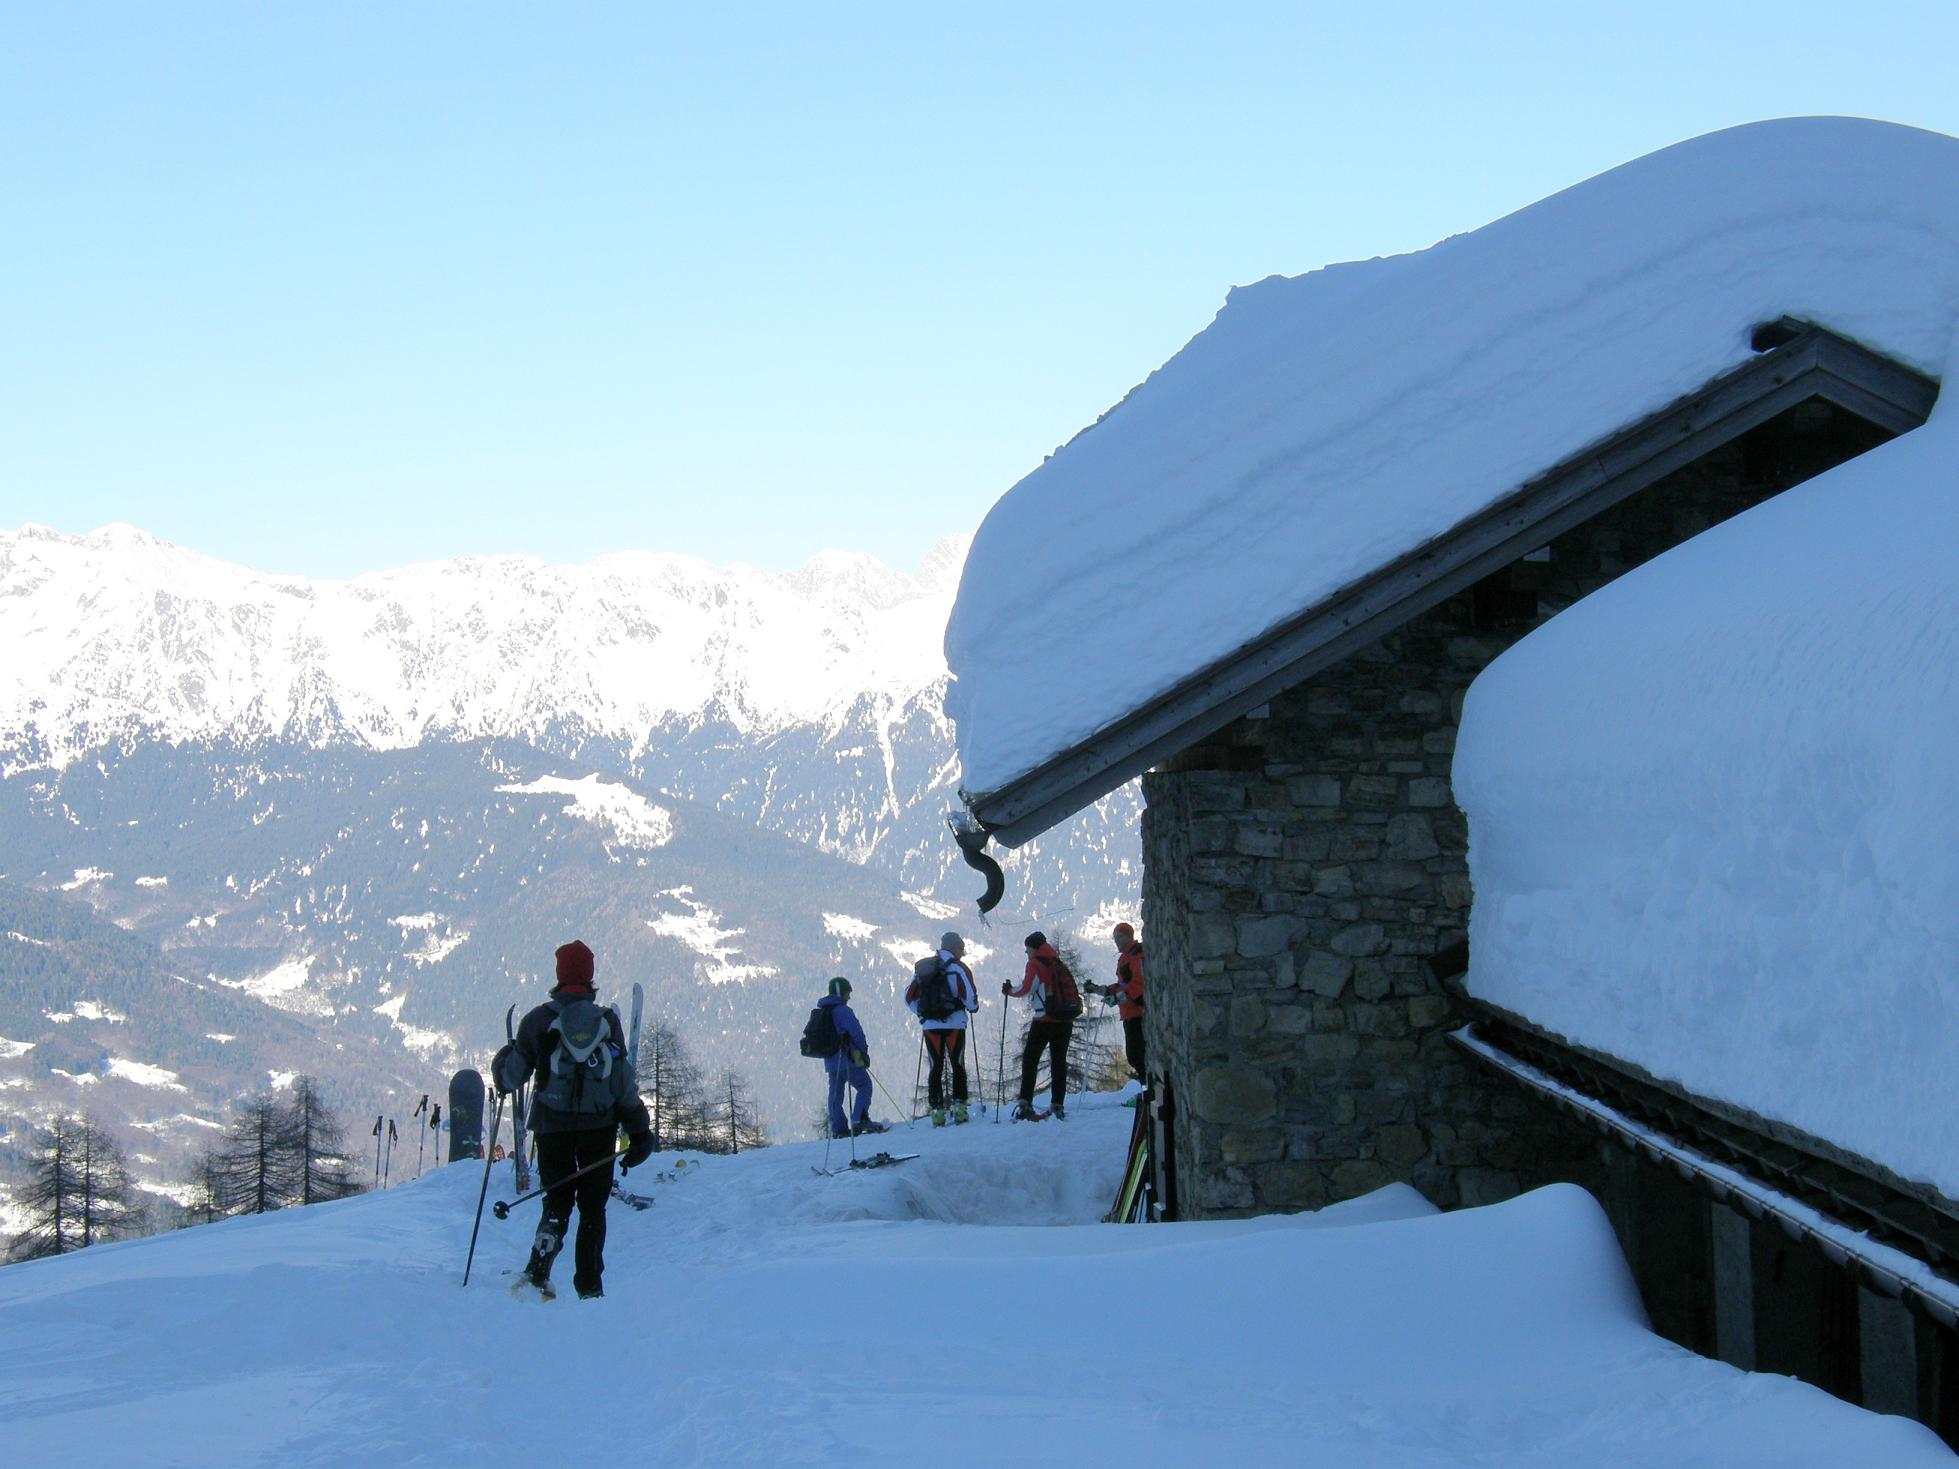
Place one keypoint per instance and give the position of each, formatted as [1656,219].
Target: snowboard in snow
[465,1115]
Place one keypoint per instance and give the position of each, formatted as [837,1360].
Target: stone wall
[1302,866]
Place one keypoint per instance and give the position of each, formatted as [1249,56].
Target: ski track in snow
[759,1314]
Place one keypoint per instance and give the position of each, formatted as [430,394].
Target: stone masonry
[1302,866]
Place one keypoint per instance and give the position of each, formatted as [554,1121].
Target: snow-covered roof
[1710,811]
[1326,424]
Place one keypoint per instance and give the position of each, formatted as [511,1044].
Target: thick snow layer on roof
[1324,424]
[1711,810]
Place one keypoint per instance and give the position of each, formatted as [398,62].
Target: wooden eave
[1809,362]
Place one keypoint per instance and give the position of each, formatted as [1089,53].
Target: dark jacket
[531,1053]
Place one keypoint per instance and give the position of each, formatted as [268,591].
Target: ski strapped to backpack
[931,989]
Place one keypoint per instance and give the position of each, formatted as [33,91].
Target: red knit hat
[574,966]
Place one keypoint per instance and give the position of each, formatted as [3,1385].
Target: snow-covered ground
[963,1308]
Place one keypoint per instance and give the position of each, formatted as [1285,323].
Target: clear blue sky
[325,288]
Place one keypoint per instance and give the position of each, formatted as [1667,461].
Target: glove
[1006,987]
[497,1067]
[862,1058]
[638,1149]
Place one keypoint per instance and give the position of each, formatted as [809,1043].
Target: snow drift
[759,1314]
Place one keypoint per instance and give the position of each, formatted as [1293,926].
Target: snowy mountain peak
[116,634]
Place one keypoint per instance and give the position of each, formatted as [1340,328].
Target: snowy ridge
[1325,424]
[116,636]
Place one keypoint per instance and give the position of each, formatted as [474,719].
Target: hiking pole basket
[501,1208]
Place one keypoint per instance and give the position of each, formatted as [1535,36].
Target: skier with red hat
[585,1092]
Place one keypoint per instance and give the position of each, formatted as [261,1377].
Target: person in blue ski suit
[851,1064]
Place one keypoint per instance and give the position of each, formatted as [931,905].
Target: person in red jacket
[1127,993]
[1048,1033]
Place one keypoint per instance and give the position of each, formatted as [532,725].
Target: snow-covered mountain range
[116,635]
[374,806]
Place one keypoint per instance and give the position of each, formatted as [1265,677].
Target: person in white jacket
[944,997]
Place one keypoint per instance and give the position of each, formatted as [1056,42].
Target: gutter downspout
[972,839]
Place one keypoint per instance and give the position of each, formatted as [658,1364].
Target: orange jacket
[1035,982]
[1128,988]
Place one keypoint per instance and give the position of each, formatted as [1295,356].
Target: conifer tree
[320,1164]
[670,1085]
[257,1164]
[206,1204]
[735,1124]
[78,1193]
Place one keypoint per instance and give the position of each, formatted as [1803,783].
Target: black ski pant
[943,1046]
[560,1154]
[1132,1045]
[1051,1036]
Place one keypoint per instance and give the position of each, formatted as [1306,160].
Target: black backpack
[820,1038]
[931,989]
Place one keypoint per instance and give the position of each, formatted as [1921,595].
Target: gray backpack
[578,1077]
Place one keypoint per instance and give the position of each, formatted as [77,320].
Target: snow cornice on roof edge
[1800,362]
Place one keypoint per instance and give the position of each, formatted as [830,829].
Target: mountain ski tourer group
[571,1067]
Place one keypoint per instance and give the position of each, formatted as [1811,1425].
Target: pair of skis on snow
[876,1160]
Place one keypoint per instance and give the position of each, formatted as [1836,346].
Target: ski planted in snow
[519,1157]
[876,1160]
[632,1036]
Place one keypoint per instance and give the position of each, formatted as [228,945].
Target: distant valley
[344,825]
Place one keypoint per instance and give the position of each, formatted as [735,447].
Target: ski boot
[938,1117]
[1060,1113]
[858,1129]
[959,1113]
[1024,1112]
[528,1284]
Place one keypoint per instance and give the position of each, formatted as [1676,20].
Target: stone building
[1306,885]
[1306,888]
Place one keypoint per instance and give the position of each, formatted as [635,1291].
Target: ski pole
[887,1095]
[1000,1080]
[502,1208]
[917,1071]
[377,1152]
[496,1122]
[421,1133]
[388,1168]
[979,1074]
